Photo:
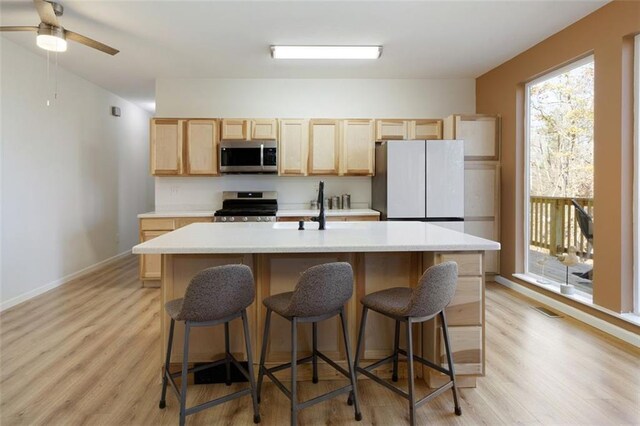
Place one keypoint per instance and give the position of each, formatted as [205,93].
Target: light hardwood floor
[87,353]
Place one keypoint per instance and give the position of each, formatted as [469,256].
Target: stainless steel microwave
[248,157]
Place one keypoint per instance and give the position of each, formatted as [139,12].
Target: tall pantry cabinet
[482,140]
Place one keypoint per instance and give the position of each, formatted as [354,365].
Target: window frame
[527,146]
[636,176]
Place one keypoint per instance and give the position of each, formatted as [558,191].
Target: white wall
[73,177]
[297,98]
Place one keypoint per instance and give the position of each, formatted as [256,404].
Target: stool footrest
[427,363]
[435,393]
[218,401]
[324,397]
[288,364]
[333,364]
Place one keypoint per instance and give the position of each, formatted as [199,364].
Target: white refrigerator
[420,180]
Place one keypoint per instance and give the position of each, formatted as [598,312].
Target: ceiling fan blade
[90,42]
[46,12]
[19,28]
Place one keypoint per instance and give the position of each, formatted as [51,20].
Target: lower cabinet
[150,265]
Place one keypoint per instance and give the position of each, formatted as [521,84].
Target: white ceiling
[215,39]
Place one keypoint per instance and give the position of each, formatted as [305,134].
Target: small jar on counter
[336,202]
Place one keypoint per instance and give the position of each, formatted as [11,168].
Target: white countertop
[283,237]
[280,213]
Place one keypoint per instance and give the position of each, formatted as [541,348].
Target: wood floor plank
[87,353]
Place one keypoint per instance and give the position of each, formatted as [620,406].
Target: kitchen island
[382,254]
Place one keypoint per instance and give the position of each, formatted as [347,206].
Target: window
[559,176]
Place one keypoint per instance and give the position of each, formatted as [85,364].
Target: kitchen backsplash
[178,194]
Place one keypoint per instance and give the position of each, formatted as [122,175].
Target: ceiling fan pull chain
[55,90]
[48,81]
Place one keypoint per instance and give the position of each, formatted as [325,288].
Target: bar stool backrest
[321,289]
[218,292]
[434,291]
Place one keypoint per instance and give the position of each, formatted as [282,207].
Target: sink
[313,226]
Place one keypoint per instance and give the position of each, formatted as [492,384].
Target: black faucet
[321,218]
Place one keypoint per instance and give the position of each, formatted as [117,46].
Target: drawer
[468,263]
[467,349]
[184,221]
[163,224]
[466,306]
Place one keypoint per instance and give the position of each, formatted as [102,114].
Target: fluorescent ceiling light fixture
[326,52]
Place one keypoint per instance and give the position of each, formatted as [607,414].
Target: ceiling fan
[51,35]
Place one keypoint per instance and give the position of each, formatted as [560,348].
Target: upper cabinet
[425,129]
[324,147]
[264,129]
[166,146]
[234,129]
[358,146]
[184,147]
[401,129]
[481,135]
[202,147]
[293,147]
[245,129]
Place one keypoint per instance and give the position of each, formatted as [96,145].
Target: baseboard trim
[602,325]
[57,283]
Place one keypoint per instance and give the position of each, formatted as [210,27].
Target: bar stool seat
[279,303]
[392,301]
[214,296]
[320,294]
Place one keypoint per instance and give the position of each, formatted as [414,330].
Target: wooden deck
[556,271]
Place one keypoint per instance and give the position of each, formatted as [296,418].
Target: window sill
[579,296]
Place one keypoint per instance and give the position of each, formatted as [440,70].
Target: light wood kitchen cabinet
[202,147]
[150,264]
[324,147]
[264,129]
[388,130]
[293,147]
[428,129]
[234,129]
[481,135]
[358,147]
[402,129]
[166,146]
[482,206]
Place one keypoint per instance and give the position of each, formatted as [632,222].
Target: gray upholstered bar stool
[432,295]
[214,296]
[320,294]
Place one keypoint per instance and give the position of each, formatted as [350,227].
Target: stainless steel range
[254,206]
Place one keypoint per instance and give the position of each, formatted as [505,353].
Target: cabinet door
[387,130]
[487,228]
[264,129]
[324,143]
[358,146]
[235,129]
[150,264]
[202,147]
[166,146]
[293,147]
[426,129]
[481,189]
[481,135]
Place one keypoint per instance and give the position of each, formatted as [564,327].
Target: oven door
[248,157]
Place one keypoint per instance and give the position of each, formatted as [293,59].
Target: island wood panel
[206,343]
[466,306]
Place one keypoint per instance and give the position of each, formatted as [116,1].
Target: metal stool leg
[352,374]
[252,379]
[396,347]
[412,401]
[314,328]
[294,371]
[227,354]
[452,375]
[263,352]
[356,362]
[163,402]
[185,368]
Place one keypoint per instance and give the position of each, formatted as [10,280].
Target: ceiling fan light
[52,43]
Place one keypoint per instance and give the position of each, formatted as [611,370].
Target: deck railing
[554,225]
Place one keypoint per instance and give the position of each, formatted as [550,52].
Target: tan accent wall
[608,34]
